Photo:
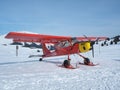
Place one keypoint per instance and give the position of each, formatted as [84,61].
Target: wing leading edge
[30,37]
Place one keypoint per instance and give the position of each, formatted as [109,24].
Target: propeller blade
[92,43]
[92,47]
[92,51]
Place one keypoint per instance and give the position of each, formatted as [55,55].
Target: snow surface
[23,73]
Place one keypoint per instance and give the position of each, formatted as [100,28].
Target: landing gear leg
[66,63]
[81,55]
[69,58]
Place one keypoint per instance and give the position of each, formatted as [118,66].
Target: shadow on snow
[55,61]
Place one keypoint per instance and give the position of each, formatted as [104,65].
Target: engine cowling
[84,47]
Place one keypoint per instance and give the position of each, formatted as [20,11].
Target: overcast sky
[61,17]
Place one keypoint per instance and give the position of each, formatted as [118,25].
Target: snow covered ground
[23,73]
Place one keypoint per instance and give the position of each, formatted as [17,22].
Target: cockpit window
[64,44]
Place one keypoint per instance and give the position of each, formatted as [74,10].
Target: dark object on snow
[66,63]
[111,43]
[38,50]
[26,45]
[102,44]
[33,45]
[16,43]
[86,61]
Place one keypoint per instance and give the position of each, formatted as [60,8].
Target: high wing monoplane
[63,45]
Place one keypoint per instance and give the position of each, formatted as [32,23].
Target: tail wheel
[40,59]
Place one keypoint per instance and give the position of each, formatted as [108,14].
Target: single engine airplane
[63,45]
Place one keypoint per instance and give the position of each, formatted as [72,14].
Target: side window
[64,44]
[67,44]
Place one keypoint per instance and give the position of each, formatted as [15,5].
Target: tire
[40,59]
[66,63]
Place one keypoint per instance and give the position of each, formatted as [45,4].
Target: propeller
[92,43]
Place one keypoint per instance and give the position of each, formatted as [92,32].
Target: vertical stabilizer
[45,49]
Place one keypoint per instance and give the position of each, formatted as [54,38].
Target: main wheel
[66,63]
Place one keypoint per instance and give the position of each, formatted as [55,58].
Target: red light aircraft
[63,45]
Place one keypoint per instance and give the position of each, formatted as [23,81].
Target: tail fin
[45,49]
